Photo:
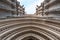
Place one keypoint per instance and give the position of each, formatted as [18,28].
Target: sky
[30,5]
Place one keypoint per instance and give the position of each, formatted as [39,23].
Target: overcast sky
[30,5]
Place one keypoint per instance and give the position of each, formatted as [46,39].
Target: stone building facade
[10,8]
[39,10]
[52,8]
[29,27]
[7,8]
[21,10]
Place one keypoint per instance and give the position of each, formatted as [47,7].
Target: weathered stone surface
[32,28]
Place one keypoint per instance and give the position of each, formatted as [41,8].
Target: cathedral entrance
[30,38]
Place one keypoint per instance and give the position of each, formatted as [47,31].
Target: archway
[30,38]
[20,28]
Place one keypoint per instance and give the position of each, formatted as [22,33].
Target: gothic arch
[13,29]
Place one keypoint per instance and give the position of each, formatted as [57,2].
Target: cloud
[19,0]
[30,6]
[31,9]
